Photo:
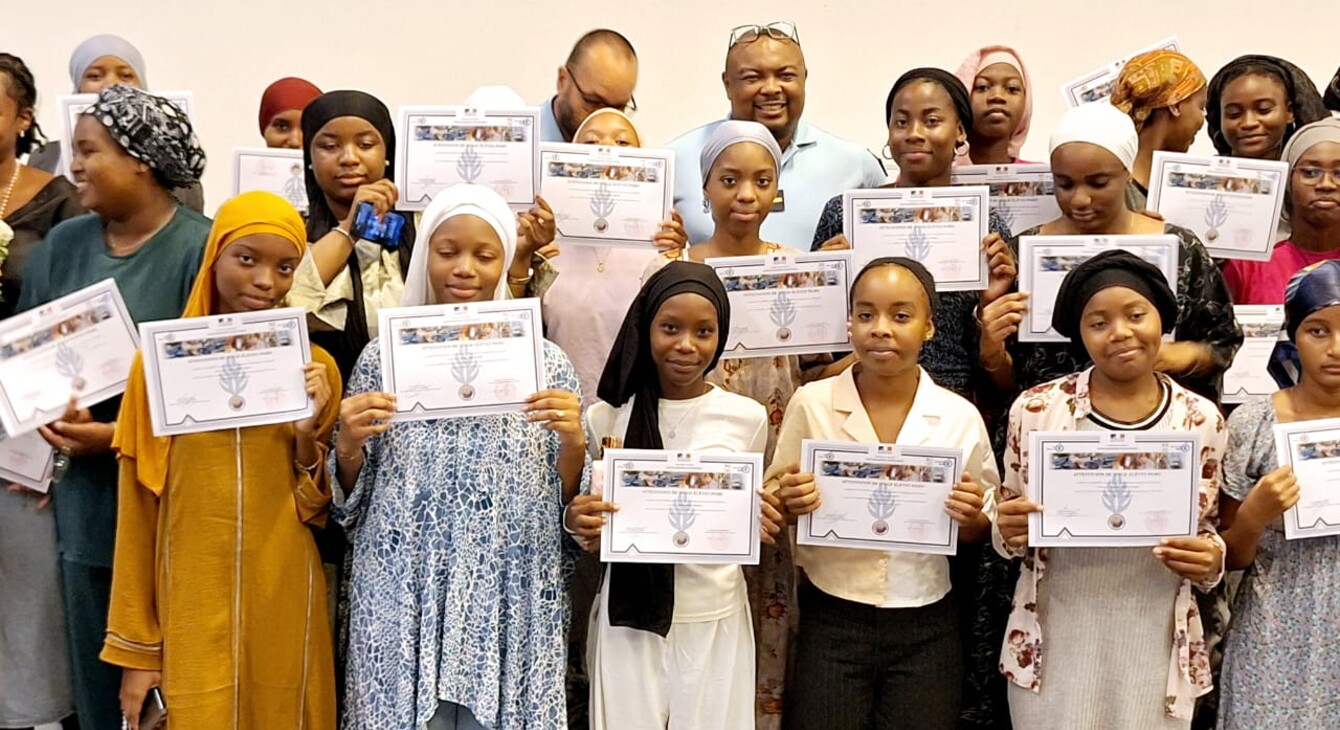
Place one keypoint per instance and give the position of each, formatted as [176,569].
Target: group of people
[357,570]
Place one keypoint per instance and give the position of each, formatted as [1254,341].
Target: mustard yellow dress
[218,584]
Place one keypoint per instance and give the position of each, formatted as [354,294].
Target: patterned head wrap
[1155,80]
[152,130]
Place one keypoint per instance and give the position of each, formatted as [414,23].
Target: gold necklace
[13,180]
[600,254]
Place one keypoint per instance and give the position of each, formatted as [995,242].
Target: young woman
[1164,93]
[457,606]
[879,637]
[1149,661]
[1280,656]
[217,590]
[671,646]
[1312,209]
[34,664]
[281,111]
[1002,106]
[1256,103]
[130,150]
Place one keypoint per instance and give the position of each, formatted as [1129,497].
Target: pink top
[1262,282]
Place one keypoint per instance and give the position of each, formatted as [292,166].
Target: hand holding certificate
[943,228]
[1312,448]
[453,360]
[272,170]
[441,146]
[681,508]
[1233,204]
[607,196]
[786,305]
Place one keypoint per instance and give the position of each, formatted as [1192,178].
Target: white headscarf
[464,199]
[495,96]
[1099,124]
[608,110]
[105,45]
[732,132]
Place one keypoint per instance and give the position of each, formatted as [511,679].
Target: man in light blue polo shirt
[765,82]
[600,72]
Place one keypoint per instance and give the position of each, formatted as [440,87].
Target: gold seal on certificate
[786,305]
[1234,204]
[607,196]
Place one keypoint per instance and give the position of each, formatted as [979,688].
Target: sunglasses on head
[782,30]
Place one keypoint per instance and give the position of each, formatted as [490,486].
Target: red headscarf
[284,95]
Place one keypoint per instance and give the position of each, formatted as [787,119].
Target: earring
[887,151]
[961,148]
[707,205]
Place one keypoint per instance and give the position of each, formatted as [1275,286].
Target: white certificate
[942,228]
[441,146]
[80,344]
[277,171]
[1044,262]
[453,360]
[226,371]
[1022,195]
[1112,489]
[607,196]
[27,460]
[1232,203]
[1312,448]
[1097,84]
[681,507]
[786,305]
[73,105]
[881,496]
[1247,377]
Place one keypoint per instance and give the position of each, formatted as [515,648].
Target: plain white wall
[437,51]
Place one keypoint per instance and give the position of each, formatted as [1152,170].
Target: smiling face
[285,130]
[684,337]
[1122,331]
[765,82]
[1254,113]
[1316,201]
[923,130]
[890,319]
[108,179]
[741,186]
[254,273]
[1318,343]
[108,71]
[998,99]
[465,260]
[347,152]
[1090,186]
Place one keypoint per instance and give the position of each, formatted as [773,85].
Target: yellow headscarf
[1155,80]
[246,215]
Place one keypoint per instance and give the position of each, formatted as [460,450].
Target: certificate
[1312,448]
[607,196]
[786,305]
[453,360]
[1113,489]
[73,105]
[277,171]
[1247,377]
[1022,195]
[81,344]
[1044,262]
[881,496]
[226,371]
[942,228]
[1233,204]
[27,460]
[441,146]
[681,508]
[1097,84]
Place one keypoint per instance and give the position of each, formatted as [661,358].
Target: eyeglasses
[1313,175]
[595,102]
[782,30]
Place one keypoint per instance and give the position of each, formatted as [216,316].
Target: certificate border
[763,262]
[1284,435]
[977,282]
[183,99]
[1251,311]
[805,534]
[153,374]
[1038,442]
[668,191]
[43,484]
[390,318]
[452,110]
[1114,67]
[1158,175]
[273,153]
[632,555]
[966,175]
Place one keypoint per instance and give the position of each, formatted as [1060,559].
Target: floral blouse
[1060,405]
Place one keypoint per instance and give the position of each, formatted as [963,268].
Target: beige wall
[437,51]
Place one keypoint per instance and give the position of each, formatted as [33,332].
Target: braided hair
[23,90]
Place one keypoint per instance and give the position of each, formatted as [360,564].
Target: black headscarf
[1332,96]
[958,93]
[642,596]
[1302,94]
[915,268]
[345,346]
[1108,269]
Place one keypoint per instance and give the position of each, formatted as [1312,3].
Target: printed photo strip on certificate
[607,196]
[1232,204]
[1097,84]
[786,305]
[881,497]
[71,106]
[677,507]
[271,170]
[942,228]
[1023,196]
[226,371]
[455,360]
[1044,262]
[441,146]
[1312,449]
[1247,378]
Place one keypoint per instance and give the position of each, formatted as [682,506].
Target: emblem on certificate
[881,504]
[1216,214]
[1117,499]
[465,368]
[233,380]
[69,364]
[602,206]
[682,516]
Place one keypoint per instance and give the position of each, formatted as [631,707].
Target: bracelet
[308,469]
[340,456]
[346,234]
[520,280]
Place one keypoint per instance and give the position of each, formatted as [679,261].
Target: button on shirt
[815,167]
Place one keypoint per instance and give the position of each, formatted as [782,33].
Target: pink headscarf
[987,56]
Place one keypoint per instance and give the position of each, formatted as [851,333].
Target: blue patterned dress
[458,568]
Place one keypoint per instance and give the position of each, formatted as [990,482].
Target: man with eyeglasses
[765,83]
[600,72]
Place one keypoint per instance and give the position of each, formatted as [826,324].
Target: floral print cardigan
[1059,405]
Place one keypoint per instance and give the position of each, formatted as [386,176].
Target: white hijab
[1099,124]
[464,199]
